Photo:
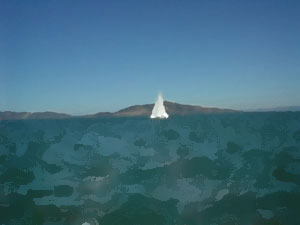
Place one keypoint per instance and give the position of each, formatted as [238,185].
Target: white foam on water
[221,194]
[266,214]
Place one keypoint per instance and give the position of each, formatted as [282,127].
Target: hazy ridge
[135,110]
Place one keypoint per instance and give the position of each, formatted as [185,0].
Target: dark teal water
[206,169]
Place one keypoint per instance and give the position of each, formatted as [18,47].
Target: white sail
[159,110]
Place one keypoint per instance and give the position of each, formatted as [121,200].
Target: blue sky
[88,56]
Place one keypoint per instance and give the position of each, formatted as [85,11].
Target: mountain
[136,110]
[180,109]
[171,108]
[280,109]
[8,115]
[99,114]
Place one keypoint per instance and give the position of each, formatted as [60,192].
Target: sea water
[241,168]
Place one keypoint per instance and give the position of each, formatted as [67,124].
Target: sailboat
[159,110]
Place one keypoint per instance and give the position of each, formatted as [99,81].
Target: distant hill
[8,115]
[136,110]
[171,108]
[280,109]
